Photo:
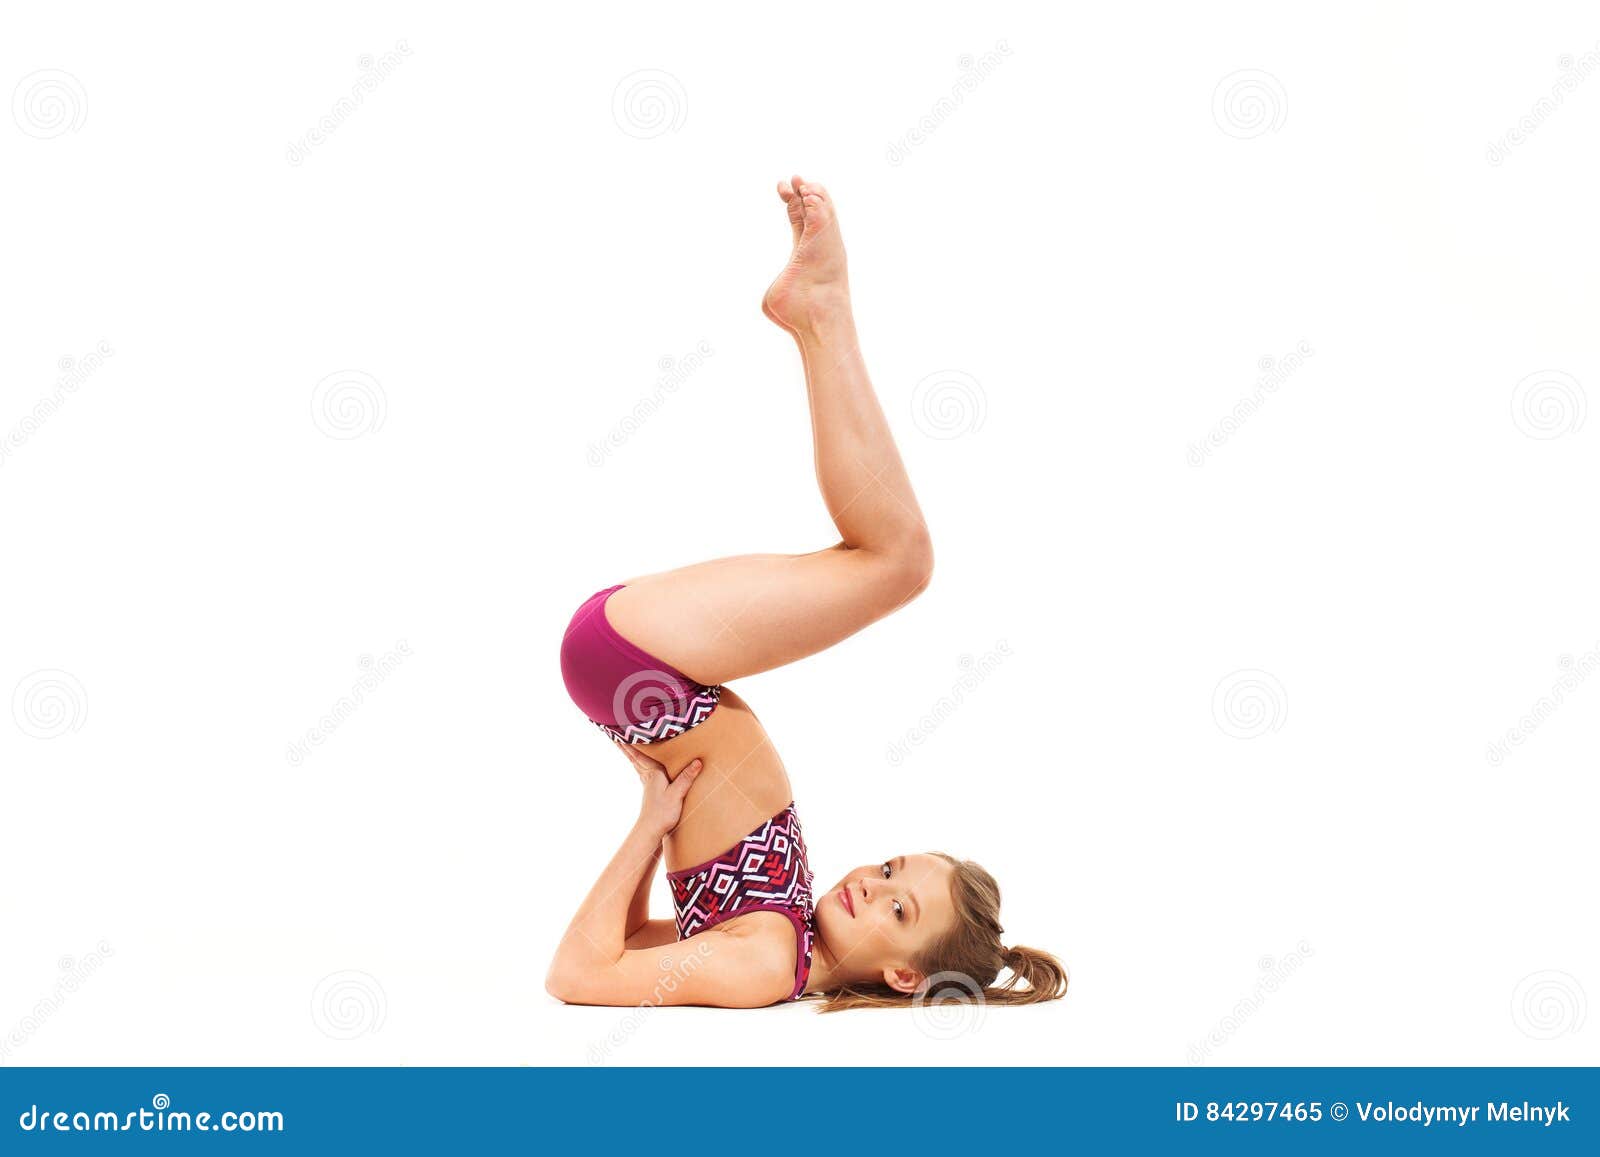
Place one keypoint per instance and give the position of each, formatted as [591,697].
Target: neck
[825,971]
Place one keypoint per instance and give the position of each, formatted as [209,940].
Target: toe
[791,202]
[818,210]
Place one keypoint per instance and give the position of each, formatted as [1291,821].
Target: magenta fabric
[627,692]
[767,871]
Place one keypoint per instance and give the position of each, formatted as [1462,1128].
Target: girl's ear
[906,980]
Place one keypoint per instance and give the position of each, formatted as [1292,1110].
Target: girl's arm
[598,934]
[639,907]
[594,964]
[644,932]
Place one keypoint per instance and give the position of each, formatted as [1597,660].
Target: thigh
[732,617]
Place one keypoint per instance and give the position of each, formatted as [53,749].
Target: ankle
[826,316]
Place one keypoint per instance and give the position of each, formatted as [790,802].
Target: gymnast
[648,662]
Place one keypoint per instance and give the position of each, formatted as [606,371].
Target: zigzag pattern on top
[767,867]
[695,710]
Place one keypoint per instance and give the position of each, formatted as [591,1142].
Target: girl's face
[880,917]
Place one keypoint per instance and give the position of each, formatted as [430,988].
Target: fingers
[638,758]
[686,778]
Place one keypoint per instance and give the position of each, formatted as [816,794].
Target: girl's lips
[849,905]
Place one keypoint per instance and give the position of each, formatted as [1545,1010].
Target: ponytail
[1044,976]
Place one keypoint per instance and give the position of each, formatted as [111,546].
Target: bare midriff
[741,785]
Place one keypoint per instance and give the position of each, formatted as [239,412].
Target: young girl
[647,661]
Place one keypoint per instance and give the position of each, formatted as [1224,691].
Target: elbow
[555,986]
[914,564]
[561,982]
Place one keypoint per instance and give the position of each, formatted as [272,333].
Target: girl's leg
[721,620]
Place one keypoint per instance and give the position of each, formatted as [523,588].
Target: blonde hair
[967,959]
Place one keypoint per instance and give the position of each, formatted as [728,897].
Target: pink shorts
[626,692]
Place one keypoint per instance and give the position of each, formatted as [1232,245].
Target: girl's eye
[887,870]
[899,912]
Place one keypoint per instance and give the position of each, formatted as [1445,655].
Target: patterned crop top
[767,871]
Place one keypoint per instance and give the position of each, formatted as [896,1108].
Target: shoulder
[768,952]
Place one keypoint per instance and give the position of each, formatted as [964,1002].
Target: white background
[1085,263]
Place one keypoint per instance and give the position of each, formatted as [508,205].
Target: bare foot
[815,285]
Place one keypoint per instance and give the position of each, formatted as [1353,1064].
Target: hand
[662,806]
